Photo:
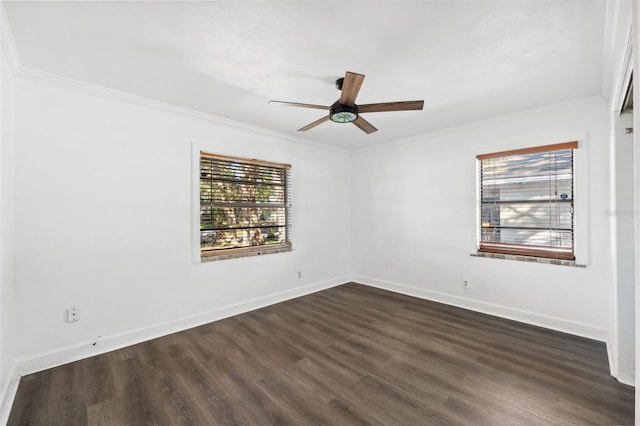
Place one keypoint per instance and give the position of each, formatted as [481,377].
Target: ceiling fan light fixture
[345,110]
[343,113]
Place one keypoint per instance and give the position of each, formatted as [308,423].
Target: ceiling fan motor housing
[340,113]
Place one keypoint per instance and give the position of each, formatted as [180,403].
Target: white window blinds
[527,201]
[243,204]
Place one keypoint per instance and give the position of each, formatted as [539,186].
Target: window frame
[528,250]
[201,255]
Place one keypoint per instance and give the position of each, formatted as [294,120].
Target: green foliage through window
[243,203]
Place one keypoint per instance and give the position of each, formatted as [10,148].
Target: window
[527,202]
[244,207]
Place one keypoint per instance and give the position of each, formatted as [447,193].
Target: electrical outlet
[73,314]
[465,284]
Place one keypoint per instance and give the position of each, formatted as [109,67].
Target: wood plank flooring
[348,355]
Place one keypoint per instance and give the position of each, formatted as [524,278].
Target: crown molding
[480,123]
[7,41]
[617,32]
[612,12]
[69,83]
[623,79]
[33,74]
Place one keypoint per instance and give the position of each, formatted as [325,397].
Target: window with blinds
[527,201]
[244,206]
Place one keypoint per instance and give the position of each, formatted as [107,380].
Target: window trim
[253,161]
[526,250]
[522,249]
[198,256]
[530,150]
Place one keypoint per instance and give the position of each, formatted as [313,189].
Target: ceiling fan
[345,110]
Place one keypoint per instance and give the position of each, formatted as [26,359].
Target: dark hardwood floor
[348,355]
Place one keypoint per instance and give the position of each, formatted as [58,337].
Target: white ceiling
[469,60]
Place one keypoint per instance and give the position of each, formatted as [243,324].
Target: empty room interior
[310,212]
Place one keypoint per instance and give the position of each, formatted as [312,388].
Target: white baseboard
[9,394]
[109,343]
[558,324]
[611,356]
[627,380]
[613,366]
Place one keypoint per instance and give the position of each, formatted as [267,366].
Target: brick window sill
[529,259]
[246,252]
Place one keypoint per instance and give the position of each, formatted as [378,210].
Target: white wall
[103,221]
[623,251]
[617,68]
[8,330]
[636,164]
[414,220]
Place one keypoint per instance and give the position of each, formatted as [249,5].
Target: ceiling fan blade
[298,104]
[314,124]
[364,125]
[391,106]
[350,88]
